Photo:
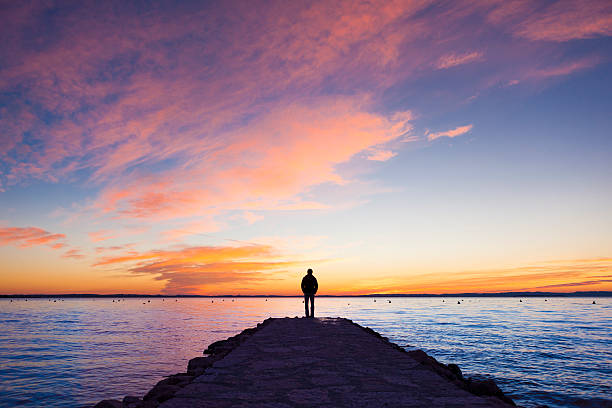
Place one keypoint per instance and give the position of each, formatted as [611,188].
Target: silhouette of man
[309,287]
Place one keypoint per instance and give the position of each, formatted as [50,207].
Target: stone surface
[319,363]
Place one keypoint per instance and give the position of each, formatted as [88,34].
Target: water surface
[78,351]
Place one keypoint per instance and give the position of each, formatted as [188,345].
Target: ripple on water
[83,350]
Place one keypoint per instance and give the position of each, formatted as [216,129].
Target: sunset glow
[224,148]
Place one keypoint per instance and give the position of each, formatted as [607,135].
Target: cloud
[575,284]
[561,274]
[452,60]
[458,131]
[203,269]
[192,111]
[25,237]
[557,21]
[101,235]
[381,155]
[263,165]
[74,254]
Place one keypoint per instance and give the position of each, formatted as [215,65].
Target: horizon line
[603,293]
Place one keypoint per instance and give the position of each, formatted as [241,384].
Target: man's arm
[316,285]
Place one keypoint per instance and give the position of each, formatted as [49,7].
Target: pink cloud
[257,115]
[25,237]
[458,131]
[452,60]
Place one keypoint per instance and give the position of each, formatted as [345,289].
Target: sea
[75,352]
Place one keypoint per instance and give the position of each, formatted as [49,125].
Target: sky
[182,147]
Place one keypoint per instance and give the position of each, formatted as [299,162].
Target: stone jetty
[321,362]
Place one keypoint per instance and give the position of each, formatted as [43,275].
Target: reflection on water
[79,351]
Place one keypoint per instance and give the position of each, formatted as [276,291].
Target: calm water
[79,351]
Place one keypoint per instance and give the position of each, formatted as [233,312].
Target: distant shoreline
[502,294]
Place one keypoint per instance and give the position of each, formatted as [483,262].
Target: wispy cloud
[453,60]
[25,237]
[198,269]
[458,131]
[381,155]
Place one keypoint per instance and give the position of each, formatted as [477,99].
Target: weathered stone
[196,366]
[454,368]
[161,392]
[130,399]
[487,387]
[108,403]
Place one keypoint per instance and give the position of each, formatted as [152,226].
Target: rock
[196,366]
[454,368]
[161,392]
[487,387]
[108,403]
[130,400]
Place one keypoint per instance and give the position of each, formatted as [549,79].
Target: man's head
[309,271]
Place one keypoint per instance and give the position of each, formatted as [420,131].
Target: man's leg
[306,304]
[311,305]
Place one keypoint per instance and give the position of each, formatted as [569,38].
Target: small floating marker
[233,300]
[546,300]
[54,301]
[374,300]
[521,300]
[458,302]
[266,300]
[594,303]
[144,303]
[176,300]
[11,300]
[148,301]
[442,300]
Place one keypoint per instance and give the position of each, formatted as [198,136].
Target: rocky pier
[321,362]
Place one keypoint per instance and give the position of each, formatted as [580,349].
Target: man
[309,287]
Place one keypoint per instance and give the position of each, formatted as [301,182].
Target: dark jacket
[309,285]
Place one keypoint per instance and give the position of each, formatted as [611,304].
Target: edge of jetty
[167,388]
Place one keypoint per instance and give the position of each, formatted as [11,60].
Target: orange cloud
[564,275]
[458,131]
[102,235]
[30,236]
[204,269]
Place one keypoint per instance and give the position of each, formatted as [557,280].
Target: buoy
[520,300]
[389,301]
[442,300]
[458,302]
[594,303]
[374,300]
[148,301]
